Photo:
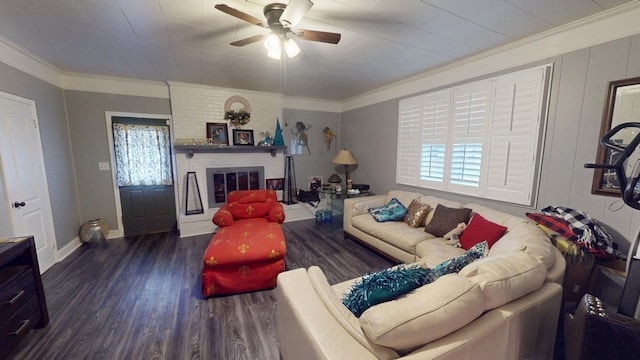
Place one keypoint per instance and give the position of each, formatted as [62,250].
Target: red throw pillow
[252,210]
[258,196]
[481,229]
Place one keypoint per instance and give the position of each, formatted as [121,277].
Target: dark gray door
[145,182]
[147,209]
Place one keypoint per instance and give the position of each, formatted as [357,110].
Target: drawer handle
[22,328]
[15,298]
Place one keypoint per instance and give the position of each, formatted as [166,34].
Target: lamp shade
[344,157]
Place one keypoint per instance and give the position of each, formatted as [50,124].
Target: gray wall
[318,163]
[56,147]
[578,90]
[88,128]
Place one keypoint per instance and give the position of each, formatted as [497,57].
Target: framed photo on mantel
[243,137]
[217,134]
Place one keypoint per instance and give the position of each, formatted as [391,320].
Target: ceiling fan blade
[321,36]
[294,12]
[249,40]
[241,15]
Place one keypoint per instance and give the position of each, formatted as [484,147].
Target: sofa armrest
[361,205]
[306,329]
[223,217]
[276,213]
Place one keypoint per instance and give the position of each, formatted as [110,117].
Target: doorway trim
[112,160]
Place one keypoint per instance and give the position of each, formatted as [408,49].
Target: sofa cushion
[349,322]
[506,277]
[436,250]
[416,213]
[481,229]
[445,219]
[391,211]
[425,314]
[395,233]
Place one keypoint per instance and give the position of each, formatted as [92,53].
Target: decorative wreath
[237,117]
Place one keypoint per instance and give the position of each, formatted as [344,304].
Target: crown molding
[300,103]
[606,26]
[24,60]
[613,24]
[115,85]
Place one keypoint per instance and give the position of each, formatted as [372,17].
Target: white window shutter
[515,130]
[470,120]
[408,150]
[433,139]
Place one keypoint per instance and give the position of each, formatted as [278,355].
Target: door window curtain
[143,154]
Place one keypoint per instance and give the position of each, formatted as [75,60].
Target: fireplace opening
[221,181]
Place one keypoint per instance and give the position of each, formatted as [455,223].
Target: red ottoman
[247,256]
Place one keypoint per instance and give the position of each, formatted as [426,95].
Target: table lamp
[345,158]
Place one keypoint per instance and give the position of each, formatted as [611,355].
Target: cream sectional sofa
[504,306]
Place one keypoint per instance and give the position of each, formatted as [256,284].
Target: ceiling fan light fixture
[291,48]
[294,12]
[274,54]
[272,43]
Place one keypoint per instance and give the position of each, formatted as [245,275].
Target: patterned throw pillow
[391,211]
[416,213]
[385,285]
[454,265]
[445,219]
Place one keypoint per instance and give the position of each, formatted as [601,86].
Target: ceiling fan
[281,20]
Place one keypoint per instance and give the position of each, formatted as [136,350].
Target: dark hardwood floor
[139,298]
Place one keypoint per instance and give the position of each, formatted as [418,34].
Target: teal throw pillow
[382,286]
[391,211]
[454,265]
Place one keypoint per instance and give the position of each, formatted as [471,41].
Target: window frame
[527,108]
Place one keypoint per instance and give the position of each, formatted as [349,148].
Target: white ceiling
[188,40]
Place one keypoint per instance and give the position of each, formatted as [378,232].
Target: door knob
[17,205]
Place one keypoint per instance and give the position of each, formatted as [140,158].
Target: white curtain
[143,154]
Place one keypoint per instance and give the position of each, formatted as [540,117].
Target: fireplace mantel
[190,150]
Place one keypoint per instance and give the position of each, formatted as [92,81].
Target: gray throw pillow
[445,219]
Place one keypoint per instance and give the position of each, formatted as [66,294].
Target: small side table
[333,201]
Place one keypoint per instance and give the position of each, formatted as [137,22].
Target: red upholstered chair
[247,253]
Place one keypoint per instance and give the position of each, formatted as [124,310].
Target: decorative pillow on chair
[254,197]
[250,210]
[416,213]
[391,211]
[481,229]
[445,219]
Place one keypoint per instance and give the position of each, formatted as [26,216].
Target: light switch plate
[103,166]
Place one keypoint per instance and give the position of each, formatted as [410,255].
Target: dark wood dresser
[22,302]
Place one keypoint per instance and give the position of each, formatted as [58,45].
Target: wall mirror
[622,105]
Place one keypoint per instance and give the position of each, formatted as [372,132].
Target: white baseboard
[62,254]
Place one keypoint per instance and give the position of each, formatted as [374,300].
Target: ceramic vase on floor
[94,231]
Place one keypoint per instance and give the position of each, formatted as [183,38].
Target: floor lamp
[345,158]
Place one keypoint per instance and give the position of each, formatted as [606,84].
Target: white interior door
[24,178]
